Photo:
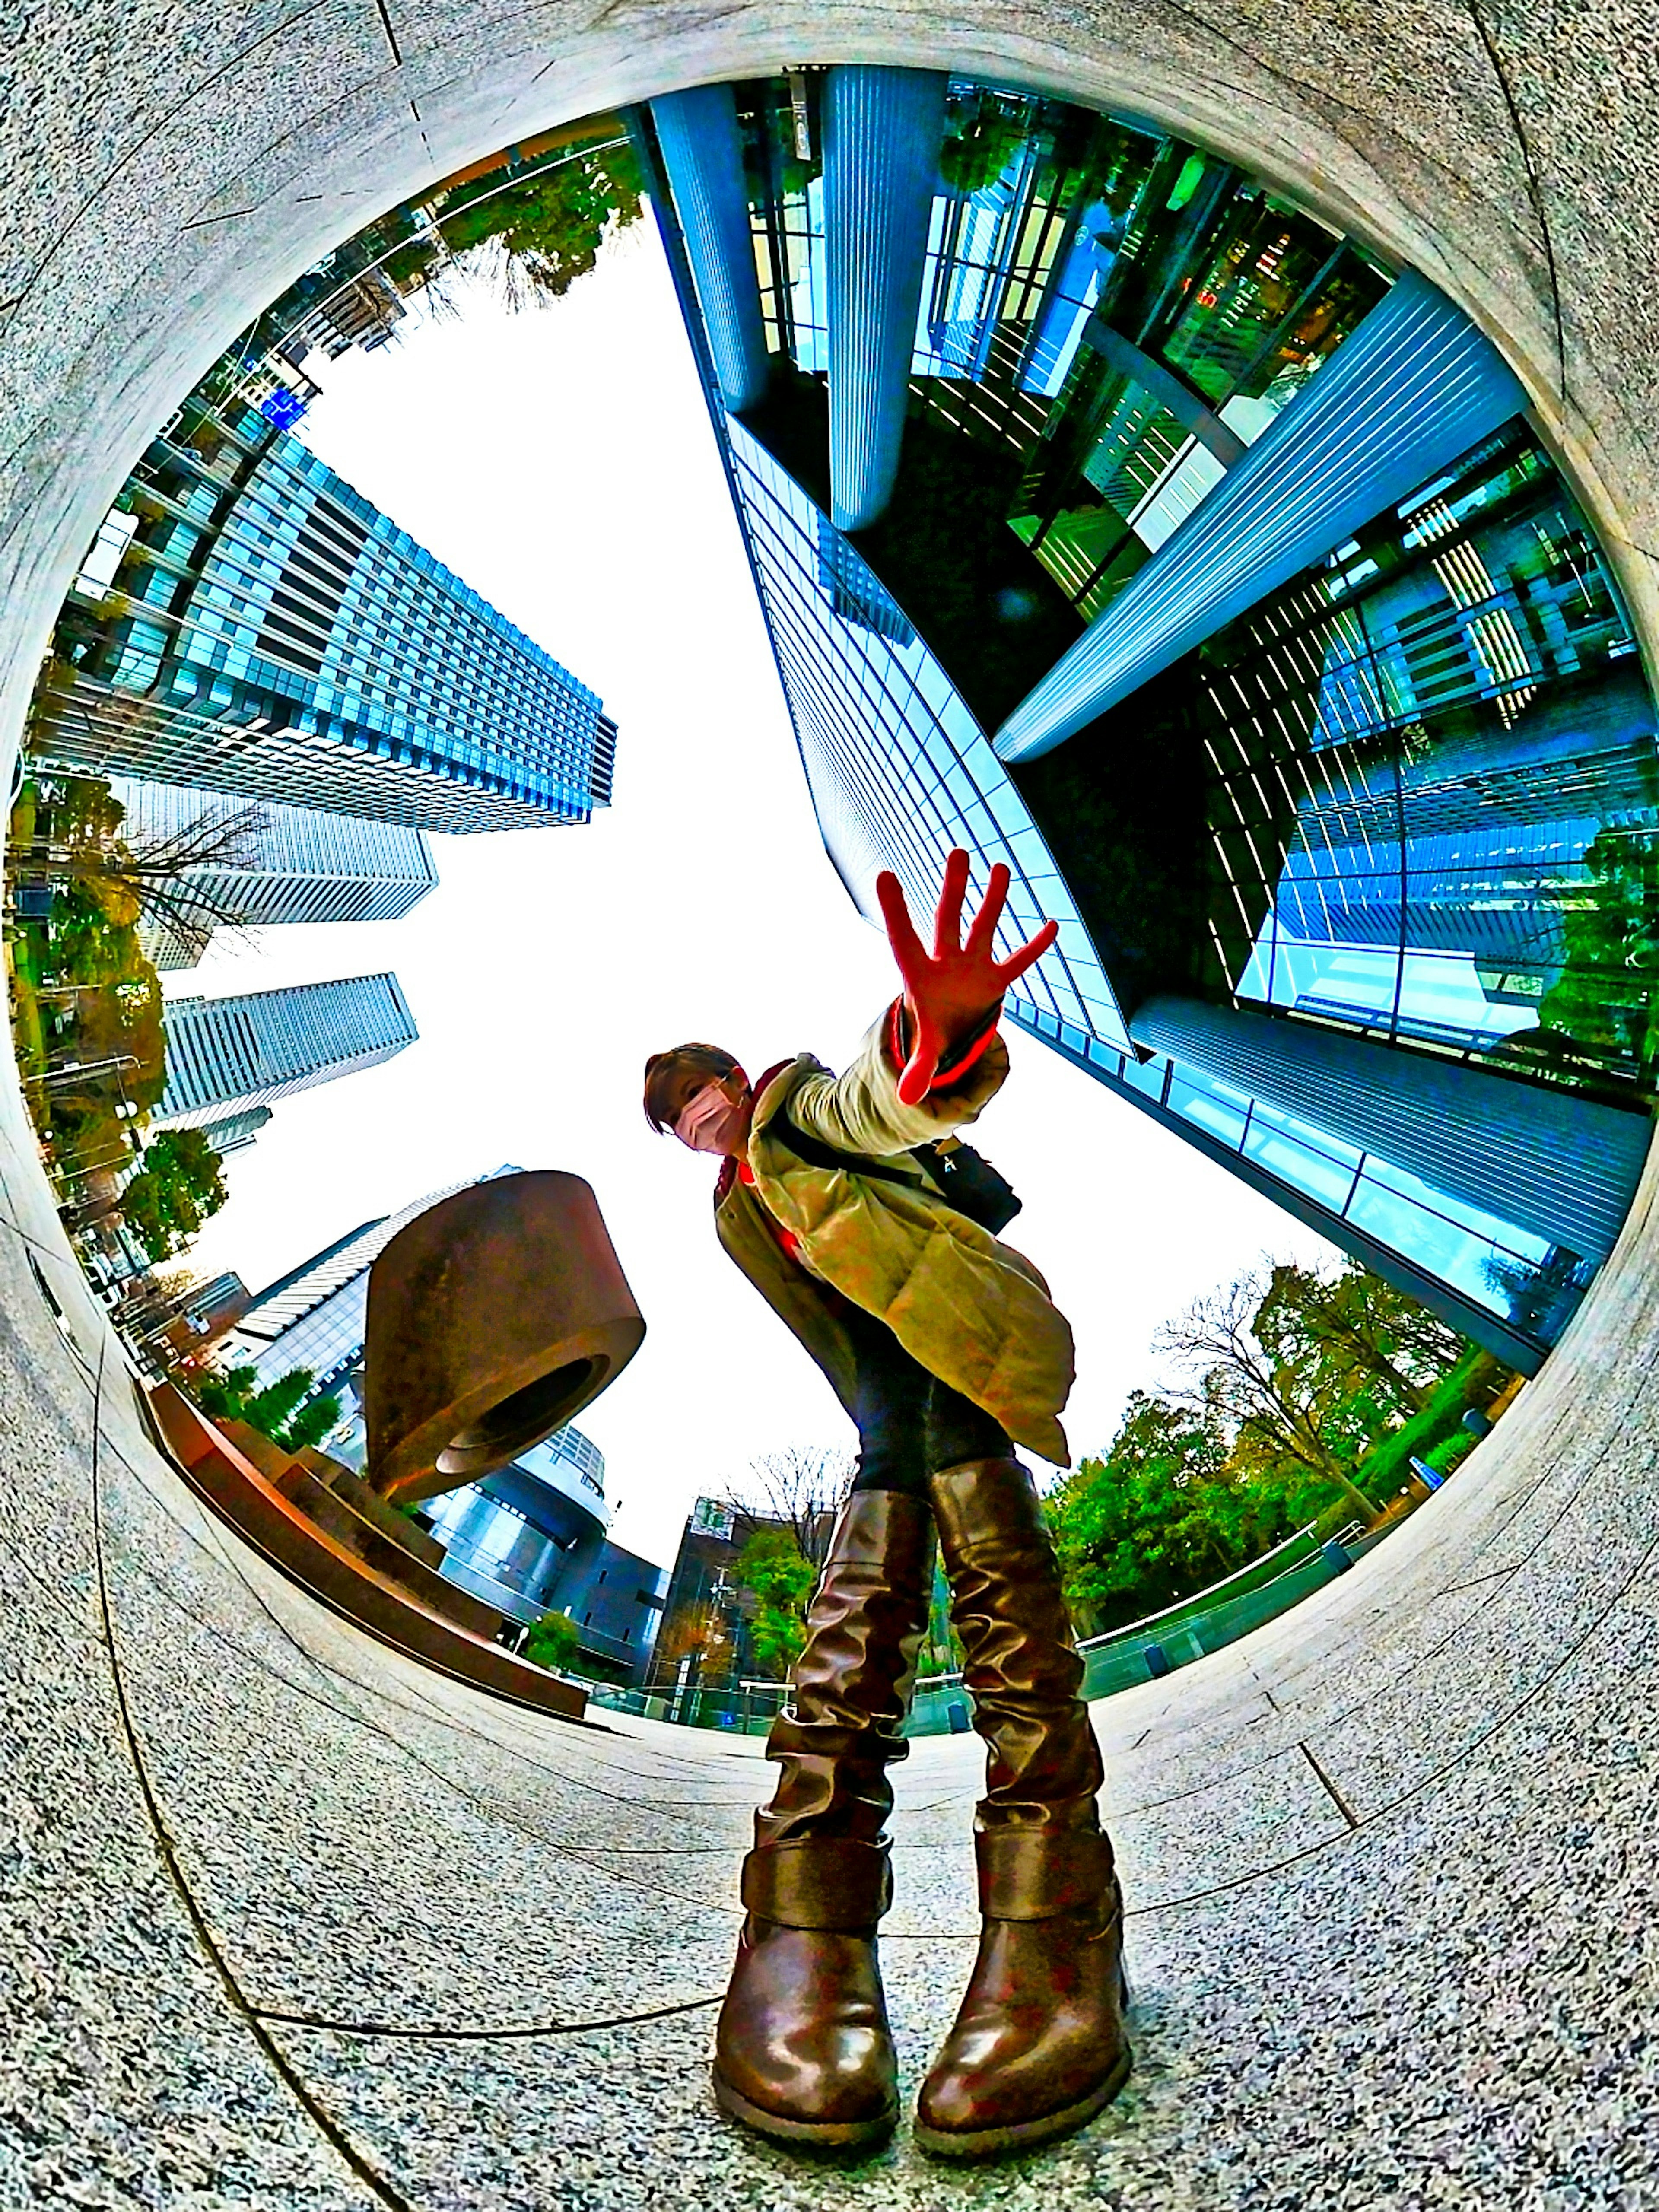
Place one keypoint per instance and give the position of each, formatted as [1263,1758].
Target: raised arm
[951,995]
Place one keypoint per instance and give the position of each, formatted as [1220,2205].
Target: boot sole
[1024,2135]
[823,2134]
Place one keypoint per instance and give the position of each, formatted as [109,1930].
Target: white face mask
[709,1122]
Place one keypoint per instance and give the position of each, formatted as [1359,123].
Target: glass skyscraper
[226,1057]
[289,864]
[247,622]
[235,1131]
[1118,520]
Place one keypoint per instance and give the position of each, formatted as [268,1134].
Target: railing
[1142,1651]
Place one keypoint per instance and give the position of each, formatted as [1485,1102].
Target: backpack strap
[816,1154]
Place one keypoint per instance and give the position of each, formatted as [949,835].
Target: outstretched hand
[955,991]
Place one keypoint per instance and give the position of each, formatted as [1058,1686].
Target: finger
[1011,969]
[947,928]
[981,936]
[901,930]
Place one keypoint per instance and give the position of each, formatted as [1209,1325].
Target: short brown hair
[660,1070]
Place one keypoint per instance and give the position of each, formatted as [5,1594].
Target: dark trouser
[910,1425]
[852,1683]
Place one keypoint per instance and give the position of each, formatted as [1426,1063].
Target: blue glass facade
[900,772]
[532,1540]
[1407,798]
[529,1529]
[263,629]
[228,1055]
[899,769]
[1474,769]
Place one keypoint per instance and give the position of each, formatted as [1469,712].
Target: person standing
[942,1344]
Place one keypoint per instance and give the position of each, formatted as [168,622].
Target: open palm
[953,991]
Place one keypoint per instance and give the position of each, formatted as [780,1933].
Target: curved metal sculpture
[493,1319]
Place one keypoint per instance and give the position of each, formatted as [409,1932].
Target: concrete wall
[286,1922]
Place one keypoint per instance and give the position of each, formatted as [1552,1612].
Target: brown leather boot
[803,2051]
[1038,2046]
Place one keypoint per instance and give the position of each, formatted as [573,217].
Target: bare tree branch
[162,875]
[1223,1373]
[800,1487]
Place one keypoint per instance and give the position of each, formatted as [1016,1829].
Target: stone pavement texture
[285,1922]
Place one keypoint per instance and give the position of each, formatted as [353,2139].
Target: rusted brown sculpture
[493,1319]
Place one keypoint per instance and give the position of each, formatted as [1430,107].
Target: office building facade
[704,1639]
[532,1539]
[247,622]
[234,1133]
[1120,521]
[228,1057]
[270,864]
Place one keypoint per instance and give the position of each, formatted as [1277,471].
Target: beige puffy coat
[970,1308]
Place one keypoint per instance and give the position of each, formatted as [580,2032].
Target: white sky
[562,463]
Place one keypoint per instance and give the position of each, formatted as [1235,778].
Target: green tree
[983,135]
[1284,1413]
[78,812]
[774,1567]
[1357,1334]
[312,1422]
[552,226]
[1161,1514]
[552,1641]
[283,1410]
[801,1487]
[72,833]
[179,1186]
[1606,999]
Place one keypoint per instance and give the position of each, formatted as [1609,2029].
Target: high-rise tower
[247,622]
[1116,519]
[226,1056]
[286,864]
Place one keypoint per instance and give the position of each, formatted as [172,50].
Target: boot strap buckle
[821,1881]
[1035,1873]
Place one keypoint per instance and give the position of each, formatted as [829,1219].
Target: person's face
[689,1083]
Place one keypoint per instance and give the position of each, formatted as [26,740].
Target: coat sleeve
[860,1111]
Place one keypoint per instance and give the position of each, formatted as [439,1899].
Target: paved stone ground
[282,1905]
[286,1923]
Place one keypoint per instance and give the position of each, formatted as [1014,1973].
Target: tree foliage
[80,839]
[773,1566]
[983,135]
[179,1186]
[802,1486]
[1360,1332]
[1164,1511]
[553,1641]
[1603,999]
[1297,1393]
[283,1410]
[1285,1386]
[87,997]
[551,227]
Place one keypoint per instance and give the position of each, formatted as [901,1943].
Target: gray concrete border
[288,1922]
